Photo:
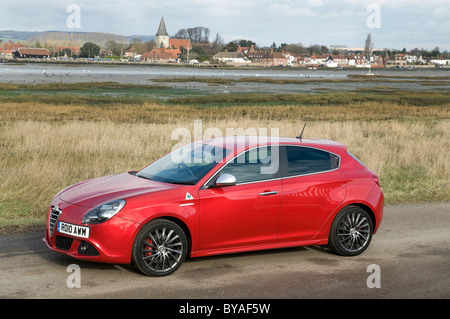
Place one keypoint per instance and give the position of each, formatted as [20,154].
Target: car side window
[305,160]
[254,165]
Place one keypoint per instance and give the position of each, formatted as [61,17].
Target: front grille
[63,243]
[54,215]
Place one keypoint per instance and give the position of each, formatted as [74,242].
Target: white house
[231,57]
[290,59]
[440,61]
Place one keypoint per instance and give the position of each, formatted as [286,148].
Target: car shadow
[266,252]
[33,241]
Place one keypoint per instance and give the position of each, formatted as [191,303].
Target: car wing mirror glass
[226,180]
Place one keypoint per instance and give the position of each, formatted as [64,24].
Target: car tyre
[351,231]
[159,248]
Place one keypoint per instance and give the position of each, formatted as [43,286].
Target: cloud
[310,21]
[441,12]
[289,10]
[314,3]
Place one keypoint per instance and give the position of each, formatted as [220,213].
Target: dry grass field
[46,147]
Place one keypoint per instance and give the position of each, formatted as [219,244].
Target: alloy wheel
[354,232]
[351,231]
[160,248]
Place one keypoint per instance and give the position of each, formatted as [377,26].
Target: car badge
[56,209]
[189,196]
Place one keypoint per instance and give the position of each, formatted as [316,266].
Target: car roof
[240,143]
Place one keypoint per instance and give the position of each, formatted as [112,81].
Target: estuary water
[28,73]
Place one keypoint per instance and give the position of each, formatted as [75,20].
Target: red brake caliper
[148,246]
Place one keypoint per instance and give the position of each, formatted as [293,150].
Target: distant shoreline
[206,66]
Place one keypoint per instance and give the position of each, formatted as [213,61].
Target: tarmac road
[408,258]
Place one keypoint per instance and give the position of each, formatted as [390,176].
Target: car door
[246,213]
[313,188]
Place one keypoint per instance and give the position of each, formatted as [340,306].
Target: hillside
[64,38]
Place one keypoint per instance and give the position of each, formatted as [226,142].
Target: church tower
[162,37]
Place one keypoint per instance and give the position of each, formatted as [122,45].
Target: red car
[218,196]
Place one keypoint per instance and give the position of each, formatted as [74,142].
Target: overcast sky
[393,23]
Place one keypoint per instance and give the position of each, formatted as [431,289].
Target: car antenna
[301,134]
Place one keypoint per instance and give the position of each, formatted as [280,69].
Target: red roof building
[32,53]
[274,59]
[162,55]
[256,55]
[244,50]
[10,47]
[180,43]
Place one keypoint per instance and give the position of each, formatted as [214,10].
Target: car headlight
[103,212]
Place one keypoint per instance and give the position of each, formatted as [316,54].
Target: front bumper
[108,242]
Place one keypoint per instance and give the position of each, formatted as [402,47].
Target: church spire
[162,31]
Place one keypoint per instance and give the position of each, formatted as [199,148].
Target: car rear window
[305,160]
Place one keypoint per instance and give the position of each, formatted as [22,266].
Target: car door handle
[268,193]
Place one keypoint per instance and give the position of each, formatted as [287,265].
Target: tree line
[204,45]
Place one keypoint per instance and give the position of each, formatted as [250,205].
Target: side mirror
[226,180]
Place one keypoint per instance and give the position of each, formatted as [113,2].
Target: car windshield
[186,165]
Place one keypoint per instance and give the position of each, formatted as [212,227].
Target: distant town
[193,46]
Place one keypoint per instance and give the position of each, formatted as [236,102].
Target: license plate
[73,230]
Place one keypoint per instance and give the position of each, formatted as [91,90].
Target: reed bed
[152,112]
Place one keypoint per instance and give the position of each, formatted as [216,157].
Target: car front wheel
[351,231]
[159,248]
